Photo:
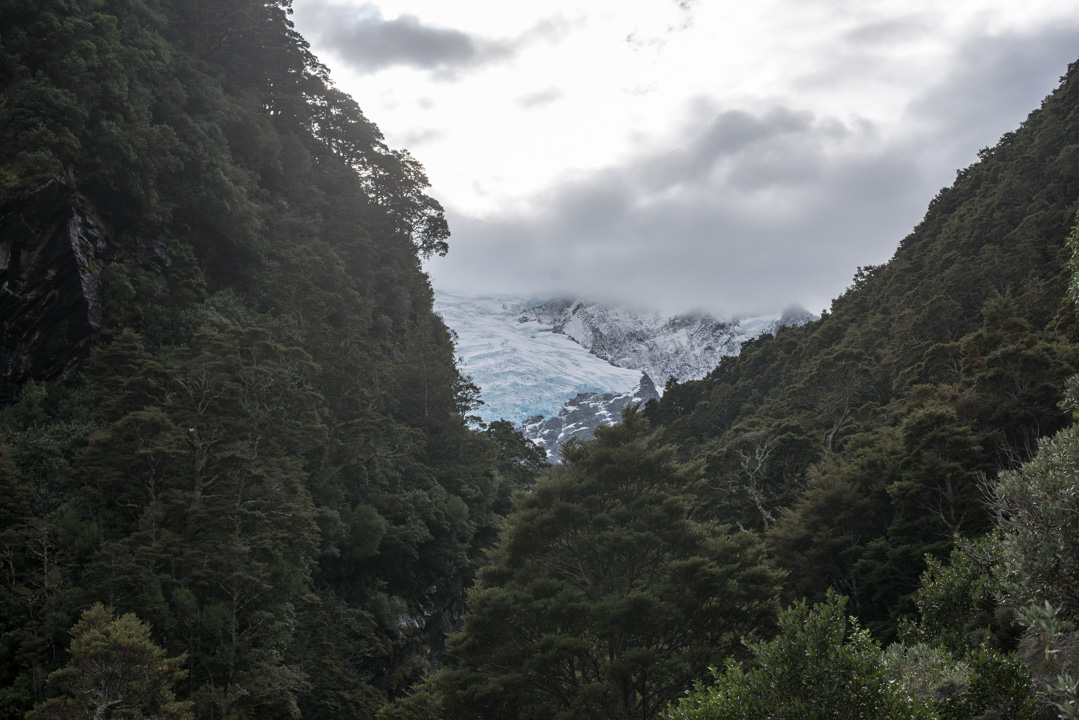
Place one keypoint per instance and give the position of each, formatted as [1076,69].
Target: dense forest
[239,477]
[237,416]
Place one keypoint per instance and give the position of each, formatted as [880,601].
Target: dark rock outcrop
[52,248]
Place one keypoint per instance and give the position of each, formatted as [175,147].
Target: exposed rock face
[52,248]
[580,416]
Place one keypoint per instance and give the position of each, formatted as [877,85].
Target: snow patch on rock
[580,416]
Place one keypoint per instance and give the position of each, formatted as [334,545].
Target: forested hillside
[229,407]
[883,473]
[860,442]
[238,477]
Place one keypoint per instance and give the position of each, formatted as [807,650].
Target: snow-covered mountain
[685,347]
[559,368]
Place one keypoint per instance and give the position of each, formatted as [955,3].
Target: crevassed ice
[523,369]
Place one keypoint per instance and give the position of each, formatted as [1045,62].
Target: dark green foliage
[818,539]
[959,603]
[269,456]
[518,458]
[935,496]
[1038,503]
[930,375]
[605,598]
[821,666]
[931,371]
[269,459]
[1037,561]
[751,473]
[42,432]
[116,671]
[998,686]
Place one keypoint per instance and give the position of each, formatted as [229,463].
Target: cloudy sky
[687,154]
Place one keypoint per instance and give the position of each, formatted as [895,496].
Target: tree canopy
[245,426]
[267,454]
[605,597]
[116,671]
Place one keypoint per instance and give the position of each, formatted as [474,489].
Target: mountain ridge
[927,376]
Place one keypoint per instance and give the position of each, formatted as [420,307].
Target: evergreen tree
[116,671]
[605,597]
[819,539]
[937,371]
[822,666]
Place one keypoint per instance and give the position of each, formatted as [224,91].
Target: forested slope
[230,408]
[862,467]
[861,441]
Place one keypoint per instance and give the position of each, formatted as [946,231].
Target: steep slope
[236,414]
[945,364]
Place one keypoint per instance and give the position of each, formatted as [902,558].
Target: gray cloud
[739,220]
[758,209]
[541,98]
[994,83]
[368,42]
[888,32]
[421,137]
[734,139]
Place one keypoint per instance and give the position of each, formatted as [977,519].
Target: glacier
[581,415]
[522,368]
[558,368]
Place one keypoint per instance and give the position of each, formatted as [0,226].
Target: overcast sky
[687,154]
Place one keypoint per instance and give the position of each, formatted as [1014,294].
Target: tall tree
[821,667]
[605,597]
[116,671]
